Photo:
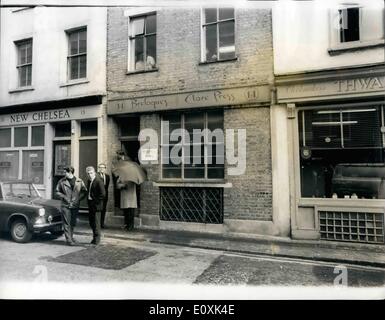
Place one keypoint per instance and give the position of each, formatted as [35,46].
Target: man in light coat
[71,191]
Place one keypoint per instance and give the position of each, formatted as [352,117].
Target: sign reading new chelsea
[220,97]
[50,115]
[40,116]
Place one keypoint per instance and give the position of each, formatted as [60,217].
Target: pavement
[311,250]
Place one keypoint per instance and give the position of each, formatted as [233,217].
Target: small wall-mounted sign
[149,154]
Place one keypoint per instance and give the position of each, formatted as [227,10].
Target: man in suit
[96,194]
[106,181]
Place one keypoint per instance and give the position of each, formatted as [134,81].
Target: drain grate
[367,227]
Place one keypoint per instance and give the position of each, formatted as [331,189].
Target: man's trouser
[94,219]
[69,217]
[129,216]
[103,212]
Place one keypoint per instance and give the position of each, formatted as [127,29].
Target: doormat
[105,257]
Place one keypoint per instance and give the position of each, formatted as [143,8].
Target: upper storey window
[24,62]
[218,34]
[349,24]
[77,54]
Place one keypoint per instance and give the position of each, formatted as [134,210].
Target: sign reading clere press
[218,97]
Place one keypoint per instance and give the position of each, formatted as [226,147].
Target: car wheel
[20,232]
[57,234]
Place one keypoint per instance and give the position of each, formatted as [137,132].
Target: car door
[7,208]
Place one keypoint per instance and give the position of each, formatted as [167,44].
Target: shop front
[191,184]
[37,145]
[336,134]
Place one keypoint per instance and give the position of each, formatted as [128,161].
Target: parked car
[366,180]
[23,212]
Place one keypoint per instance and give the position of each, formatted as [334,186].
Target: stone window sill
[356,45]
[217,61]
[142,71]
[21,89]
[74,83]
[200,184]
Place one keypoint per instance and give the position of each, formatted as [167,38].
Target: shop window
[142,41]
[349,24]
[21,137]
[342,153]
[37,136]
[24,62]
[89,128]
[33,166]
[9,165]
[218,40]
[201,205]
[77,54]
[198,152]
[63,129]
[5,138]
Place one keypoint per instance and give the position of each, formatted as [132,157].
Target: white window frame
[132,15]
[69,55]
[203,36]
[26,148]
[19,67]
[335,44]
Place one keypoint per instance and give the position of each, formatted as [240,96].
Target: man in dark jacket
[106,181]
[71,191]
[95,196]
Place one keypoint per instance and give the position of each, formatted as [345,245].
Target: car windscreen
[19,190]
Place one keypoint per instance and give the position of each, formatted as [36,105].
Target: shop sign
[50,115]
[306,91]
[220,97]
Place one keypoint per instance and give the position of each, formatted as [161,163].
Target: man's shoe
[70,243]
[93,241]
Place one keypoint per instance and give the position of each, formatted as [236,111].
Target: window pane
[174,122]
[33,166]
[23,76]
[151,52]
[215,172]
[194,121]
[210,15]
[63,129]
[9,165]
[29,52]
[194,173]
[349,24]
[137,27]
[82,41]
[73,43]
[89,128]
[83,66]
[38,136]
[211,43]
[5,138]
[73,67]
[226,40]
[29,75]
[21,137]
[226,13]
[139,57]
[151,24]
[362,128]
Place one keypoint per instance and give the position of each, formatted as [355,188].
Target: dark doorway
[88,155]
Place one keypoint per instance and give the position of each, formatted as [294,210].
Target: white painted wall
[49,63]
[303,31]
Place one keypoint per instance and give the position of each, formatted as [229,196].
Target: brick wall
[251,194]
[178,54]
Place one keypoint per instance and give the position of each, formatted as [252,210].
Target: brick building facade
[185,80]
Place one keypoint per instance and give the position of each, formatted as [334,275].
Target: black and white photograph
[192,150]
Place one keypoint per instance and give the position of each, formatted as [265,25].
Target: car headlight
[41,212]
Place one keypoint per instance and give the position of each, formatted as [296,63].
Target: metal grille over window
[143,42]
[204,205]
[218,34]
[364,227]
[77,54]
[24,63]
